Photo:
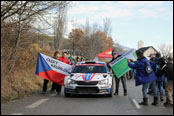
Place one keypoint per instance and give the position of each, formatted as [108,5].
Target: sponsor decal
[87,77]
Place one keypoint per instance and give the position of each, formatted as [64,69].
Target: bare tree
[75,38]
[90,40]
[166,50]
[107,26]
[27,9]
[17,15]
[60,23]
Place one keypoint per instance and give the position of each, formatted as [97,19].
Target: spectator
[117,80]
[132,73]
[169,59]
[128,75]
[82,59]
[150,87]
[142,78]
[77,59]
[167,69]
[159,81]
[71,60]
[46,81]
[62,59]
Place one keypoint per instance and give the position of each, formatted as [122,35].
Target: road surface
[53,104]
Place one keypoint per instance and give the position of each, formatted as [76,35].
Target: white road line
[136,104]
[52,95]
[36,103]
[16,114]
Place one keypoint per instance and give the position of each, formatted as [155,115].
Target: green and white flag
[120,65]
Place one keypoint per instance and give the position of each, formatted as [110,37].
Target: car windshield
[89,69]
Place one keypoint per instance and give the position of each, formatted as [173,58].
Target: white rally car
[90,77]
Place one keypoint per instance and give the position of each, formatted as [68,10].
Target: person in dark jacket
[142,78]
[159,81]
[167,69]
[169,59]
[117,80]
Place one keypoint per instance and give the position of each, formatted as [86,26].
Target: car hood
[87,77]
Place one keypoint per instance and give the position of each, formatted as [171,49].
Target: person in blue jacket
[142,78]
[159,81]
[150,87]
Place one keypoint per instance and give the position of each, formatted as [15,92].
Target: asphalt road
[53,104]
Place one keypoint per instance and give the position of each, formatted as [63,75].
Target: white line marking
[16,114]
[52,95]
[136,104]
[36,103]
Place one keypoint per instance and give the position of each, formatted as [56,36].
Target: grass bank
[21,83]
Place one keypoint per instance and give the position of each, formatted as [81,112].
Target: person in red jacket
[62,59]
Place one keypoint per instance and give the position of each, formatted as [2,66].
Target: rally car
[89,77]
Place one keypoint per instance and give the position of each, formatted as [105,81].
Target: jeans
[164,81]
[146,86]
[159,85]
[132,73]
[150,88]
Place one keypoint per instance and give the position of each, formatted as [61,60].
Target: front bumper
[84,89]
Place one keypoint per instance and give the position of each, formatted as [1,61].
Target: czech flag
[52,69]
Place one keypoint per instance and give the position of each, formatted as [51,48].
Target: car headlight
[104,82]
[70,81]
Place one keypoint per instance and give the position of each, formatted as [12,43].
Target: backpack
[148,69]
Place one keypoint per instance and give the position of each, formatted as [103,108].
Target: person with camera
[167,69]
[160,79]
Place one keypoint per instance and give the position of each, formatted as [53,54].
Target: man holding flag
[63,59]
[117,80]
[54,85]
[53,69]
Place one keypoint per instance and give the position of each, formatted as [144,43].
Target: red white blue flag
[52,69]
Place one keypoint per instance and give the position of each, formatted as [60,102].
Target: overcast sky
[131,21]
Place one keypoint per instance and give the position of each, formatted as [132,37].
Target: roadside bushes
[18,63]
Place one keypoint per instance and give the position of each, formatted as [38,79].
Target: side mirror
[71,74]
[110,74]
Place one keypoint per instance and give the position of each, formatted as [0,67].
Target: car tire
[67,94]
[110,95]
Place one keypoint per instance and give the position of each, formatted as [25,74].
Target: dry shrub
[8,44]
[23,83]
[21,80]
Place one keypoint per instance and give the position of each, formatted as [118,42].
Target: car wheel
[67,94]
[110,95]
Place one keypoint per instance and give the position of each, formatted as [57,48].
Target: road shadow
[89,96]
